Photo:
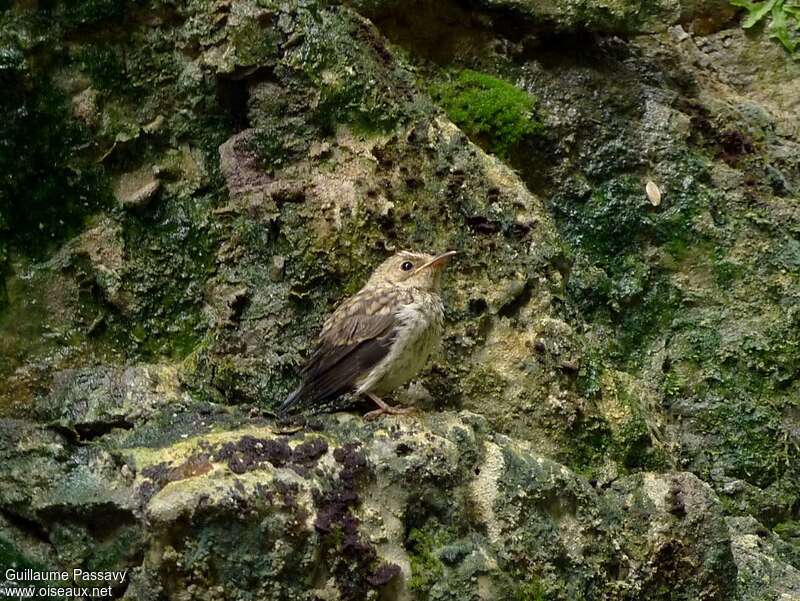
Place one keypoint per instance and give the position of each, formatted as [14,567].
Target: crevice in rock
[69,435]
[232,95]
[118,591]
[106,521]
[234,91]
[515,303]
[26,525]
[94,430]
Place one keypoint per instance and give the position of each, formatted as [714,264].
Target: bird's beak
[438,261]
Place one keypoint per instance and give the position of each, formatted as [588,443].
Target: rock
[84,106]
[74,495]
[239,165]
[104,247]
[92,401]
[155,125]
[672,521]
[766,568]
[626,17]
[136,189]
[277,269]
[357,507]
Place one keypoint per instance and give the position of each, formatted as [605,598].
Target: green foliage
[785,22]
[491,110]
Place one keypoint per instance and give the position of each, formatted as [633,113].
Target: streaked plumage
[379,338]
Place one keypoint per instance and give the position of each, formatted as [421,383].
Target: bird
[379,338]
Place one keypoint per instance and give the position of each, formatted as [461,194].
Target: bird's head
[412,270]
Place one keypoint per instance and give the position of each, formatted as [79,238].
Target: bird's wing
[354,339]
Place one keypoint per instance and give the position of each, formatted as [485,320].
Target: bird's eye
[406,266]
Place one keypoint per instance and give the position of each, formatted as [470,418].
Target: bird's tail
[291,401]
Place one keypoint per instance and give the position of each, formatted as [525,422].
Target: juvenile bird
[378,339]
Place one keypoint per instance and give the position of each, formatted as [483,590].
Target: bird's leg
[384,408]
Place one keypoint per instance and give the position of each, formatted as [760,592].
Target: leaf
[756,12]
[793,10]
[779,29]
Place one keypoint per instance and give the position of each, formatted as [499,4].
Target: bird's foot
[384,408]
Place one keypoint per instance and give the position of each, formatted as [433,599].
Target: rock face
[437,508]
[189,188]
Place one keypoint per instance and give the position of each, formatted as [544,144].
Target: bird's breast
[417,334]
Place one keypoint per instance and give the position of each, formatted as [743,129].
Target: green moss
[641,319]
[591,370]
[278,143]
[633,447]
[742,382]
[531,591]
[73,15]
[617,279]
[776,356]
[617,219]
[105,65]
[118,550]
[346,64]
[741,421]
[588,444]
[746,434]
[495,112]
[427,568]
[700,342]
[789,532]
[726,272]
[10,556]
[169,247]
[254,43]
[172,247]
[484,382]
[46,197]
[628,441]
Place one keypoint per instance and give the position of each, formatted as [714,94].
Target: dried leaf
[653,193]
